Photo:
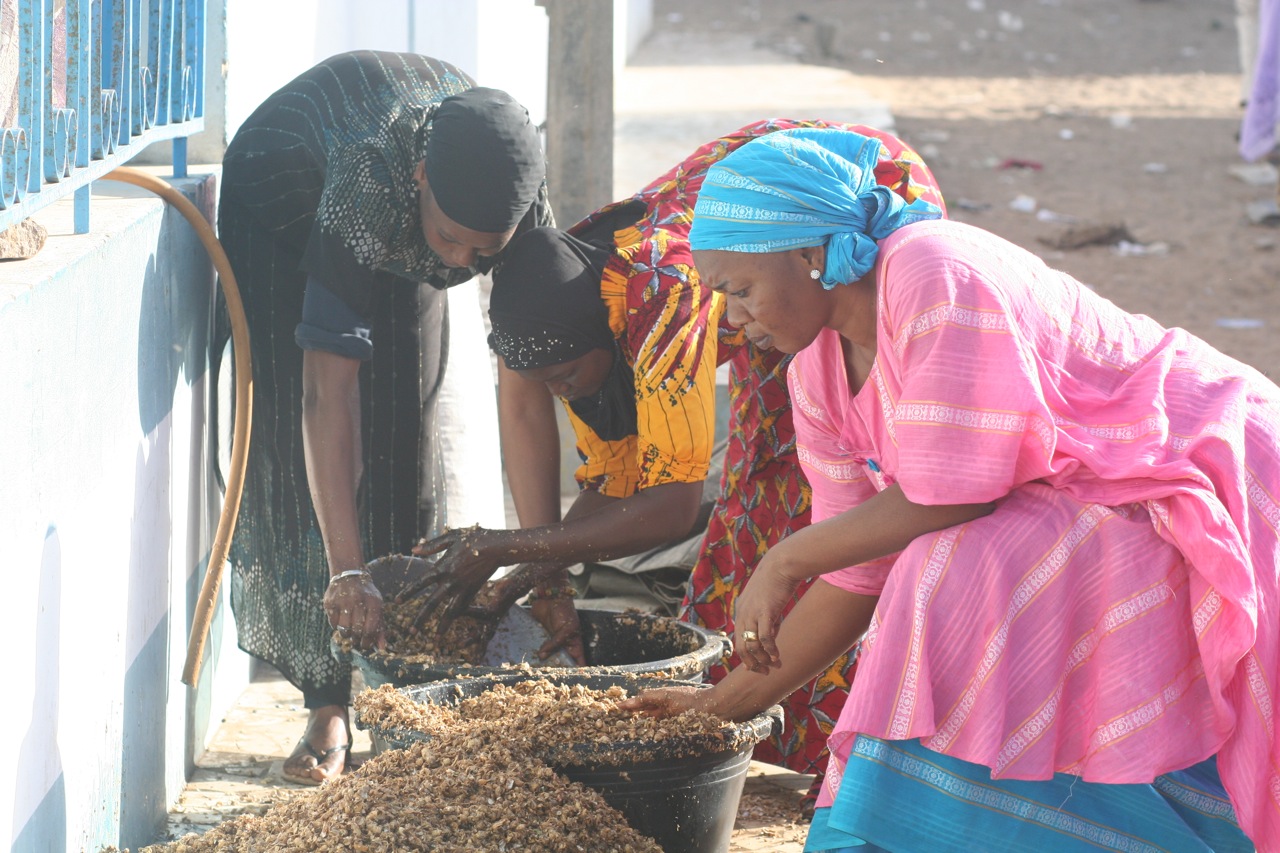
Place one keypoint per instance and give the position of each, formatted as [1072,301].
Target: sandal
[305,778]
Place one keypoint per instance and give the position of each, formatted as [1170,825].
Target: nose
[737,315]
[462,256]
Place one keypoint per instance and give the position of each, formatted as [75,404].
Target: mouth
[761,341]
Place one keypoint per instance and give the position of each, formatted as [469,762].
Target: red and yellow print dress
[674,333]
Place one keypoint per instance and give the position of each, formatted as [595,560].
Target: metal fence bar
[31,107]
[98,81]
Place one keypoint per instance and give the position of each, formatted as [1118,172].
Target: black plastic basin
[615,643]
[682,792]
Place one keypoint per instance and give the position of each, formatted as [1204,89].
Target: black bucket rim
[745,734]
[714,646]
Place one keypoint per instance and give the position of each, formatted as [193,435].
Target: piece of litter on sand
[1263,212]
[1155,168]
[1089,234]
[1238,323]
[1023,204]
[1128,249]
[932,136]
[970,204]
[1019,163]
[1044,214]
[1260,174]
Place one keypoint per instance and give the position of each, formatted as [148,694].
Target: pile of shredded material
[550,720]
[463,641]
[452,794]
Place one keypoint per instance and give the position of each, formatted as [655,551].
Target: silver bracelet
[350,573]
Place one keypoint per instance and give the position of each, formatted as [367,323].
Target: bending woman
[1054,521]
[612,319]
[350,199]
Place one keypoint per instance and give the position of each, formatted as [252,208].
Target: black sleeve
[328,260]
[330,325]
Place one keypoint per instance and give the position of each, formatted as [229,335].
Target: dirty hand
[664,701]
[354,607]
[468,556]
[757,612]
[560,617]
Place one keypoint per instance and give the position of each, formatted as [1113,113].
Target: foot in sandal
[322,752]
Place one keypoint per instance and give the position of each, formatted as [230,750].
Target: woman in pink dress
[1052,525]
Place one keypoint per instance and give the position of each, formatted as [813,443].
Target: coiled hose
[208,600]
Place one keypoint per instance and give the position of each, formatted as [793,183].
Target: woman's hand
[468,557]
[354,607]
[560,617]
[666,701]
[757,612]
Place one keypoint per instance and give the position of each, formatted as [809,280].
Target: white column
[468,418]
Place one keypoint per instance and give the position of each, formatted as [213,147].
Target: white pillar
[468,418]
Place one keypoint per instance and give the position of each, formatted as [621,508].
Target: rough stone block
[22,240]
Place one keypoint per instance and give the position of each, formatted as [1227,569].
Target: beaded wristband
[567,591]
[350,573]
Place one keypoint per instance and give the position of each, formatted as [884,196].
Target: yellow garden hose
[208,599]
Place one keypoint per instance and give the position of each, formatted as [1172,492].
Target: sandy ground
[1121,112]
[240,773]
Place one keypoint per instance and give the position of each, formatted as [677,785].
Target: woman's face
[456,245]
[771,296]
[573,380]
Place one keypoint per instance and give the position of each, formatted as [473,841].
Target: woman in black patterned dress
[351,198]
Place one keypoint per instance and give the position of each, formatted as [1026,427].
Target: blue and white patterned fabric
[803,187]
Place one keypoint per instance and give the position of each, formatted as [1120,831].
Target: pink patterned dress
[1118,616]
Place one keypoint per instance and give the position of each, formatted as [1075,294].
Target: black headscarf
[484,160]
[546,310]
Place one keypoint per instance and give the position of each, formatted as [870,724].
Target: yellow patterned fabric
[666,326]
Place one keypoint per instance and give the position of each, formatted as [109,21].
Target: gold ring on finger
[750,636]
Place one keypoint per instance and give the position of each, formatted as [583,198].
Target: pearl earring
[815,274]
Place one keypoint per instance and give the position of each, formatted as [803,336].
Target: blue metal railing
[131,73]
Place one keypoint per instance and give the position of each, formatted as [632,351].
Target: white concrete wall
[501,43]
[106,516]
[632,22]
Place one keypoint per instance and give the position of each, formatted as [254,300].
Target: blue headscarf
[803,187]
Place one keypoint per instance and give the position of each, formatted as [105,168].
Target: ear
[813,257]
[420,174]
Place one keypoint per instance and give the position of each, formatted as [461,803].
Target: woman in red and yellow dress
[611,318]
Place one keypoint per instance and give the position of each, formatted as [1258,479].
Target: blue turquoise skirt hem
[899,796]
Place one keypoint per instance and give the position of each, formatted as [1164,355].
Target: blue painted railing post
[121,94]
[31,94]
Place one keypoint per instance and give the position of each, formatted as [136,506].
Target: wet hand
[467,558]
[354,607]
[560,617]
